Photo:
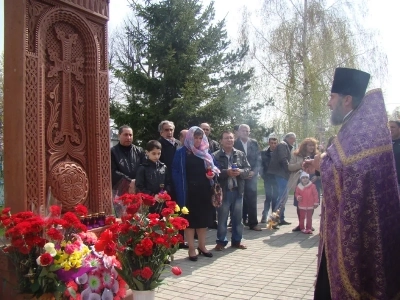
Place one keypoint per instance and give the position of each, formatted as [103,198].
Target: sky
[382,17]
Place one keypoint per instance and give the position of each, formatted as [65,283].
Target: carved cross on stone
[67,67]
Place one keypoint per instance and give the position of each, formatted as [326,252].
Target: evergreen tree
[176,63]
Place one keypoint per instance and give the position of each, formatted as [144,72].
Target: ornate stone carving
[64,104]
[69,184]
[34,11]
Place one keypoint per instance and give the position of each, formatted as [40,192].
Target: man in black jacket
[270,186]
[278,167]
[251,149]
[169,145]
[125,160]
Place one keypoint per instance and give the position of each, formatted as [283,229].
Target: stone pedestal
[56,120]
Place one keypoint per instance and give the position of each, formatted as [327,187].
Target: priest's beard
[337,115]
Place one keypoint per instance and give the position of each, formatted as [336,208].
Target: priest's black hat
[350,82]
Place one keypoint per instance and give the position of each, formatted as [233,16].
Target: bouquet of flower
[101,282]
[47,251]
[143,241]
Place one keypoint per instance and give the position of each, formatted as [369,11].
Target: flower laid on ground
[143,241]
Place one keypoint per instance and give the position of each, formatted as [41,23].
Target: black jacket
[213,145]
[280,159]
[265,161]
[253,153]
[150,176]
[168,152]
[125,162]
[239,158]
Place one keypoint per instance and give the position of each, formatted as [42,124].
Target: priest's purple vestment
[360,214]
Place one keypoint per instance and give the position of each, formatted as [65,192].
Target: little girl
[307,195]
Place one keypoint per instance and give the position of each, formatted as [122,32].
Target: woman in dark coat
[192,172]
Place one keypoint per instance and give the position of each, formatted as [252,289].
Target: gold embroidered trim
[361,155]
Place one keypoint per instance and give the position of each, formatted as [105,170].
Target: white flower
[50,248]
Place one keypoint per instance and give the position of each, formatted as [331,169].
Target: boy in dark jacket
[152,175]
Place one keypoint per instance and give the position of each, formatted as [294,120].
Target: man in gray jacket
[278,167]
[234,170]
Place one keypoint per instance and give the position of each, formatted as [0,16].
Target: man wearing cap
[360,215]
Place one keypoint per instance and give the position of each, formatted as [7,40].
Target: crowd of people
[360,216]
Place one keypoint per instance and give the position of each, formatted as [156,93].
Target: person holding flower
[193,171]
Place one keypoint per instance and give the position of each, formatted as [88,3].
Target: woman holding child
[192,183]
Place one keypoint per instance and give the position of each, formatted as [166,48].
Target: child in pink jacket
[307,195]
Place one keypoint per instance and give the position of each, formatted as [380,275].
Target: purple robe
[360,214]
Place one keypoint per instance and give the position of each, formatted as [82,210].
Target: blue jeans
[232,199]
[282,193]
[271,194]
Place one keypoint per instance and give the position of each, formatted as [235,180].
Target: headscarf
[202,150]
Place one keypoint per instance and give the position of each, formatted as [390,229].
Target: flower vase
[143,295]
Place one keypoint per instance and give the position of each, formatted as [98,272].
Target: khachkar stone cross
[66,139]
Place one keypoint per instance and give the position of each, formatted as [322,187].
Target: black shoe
[245,223]
[206,254]
[297,228]
[183,246]
[192,258]
[167,262]
[284,223]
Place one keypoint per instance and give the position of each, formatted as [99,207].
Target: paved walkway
[278,264]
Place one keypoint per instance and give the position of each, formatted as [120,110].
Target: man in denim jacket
[234,170]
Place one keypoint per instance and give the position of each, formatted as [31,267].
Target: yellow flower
[185,211]
[177,208]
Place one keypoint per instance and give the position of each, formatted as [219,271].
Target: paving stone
[278,264]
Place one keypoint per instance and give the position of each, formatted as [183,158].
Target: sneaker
[297,228]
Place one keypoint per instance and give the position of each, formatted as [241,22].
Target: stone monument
[56,121]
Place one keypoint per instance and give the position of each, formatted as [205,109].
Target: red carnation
[54,234]
[45,259]
[81,210]
[106,243]
[146,273]
[176,270]
[153,216]
[6,210]
[171,204]
[55,211]
[110,220]
[133,208]
[148,199]
[166,212]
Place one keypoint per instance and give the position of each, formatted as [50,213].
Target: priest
[359,251]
